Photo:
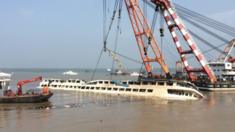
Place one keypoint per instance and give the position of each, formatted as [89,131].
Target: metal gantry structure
[141,29]
[226,55]
[142,32]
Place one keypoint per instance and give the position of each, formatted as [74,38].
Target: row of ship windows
[132,83]
[63,81]
[109,89]
[182,93]
[113,82]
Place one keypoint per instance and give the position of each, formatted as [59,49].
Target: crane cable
[120,4]
[111,23]
[197,16]
[204,19]
[104,38]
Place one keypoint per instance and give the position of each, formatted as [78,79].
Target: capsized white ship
[178,90]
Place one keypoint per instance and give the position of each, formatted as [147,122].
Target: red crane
[23,82]
[141,28]
[142,32]
[174,23]
[226,55]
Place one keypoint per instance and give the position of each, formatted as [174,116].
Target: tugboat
[8,96]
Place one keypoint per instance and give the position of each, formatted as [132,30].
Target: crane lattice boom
[226,55]
[174,22]
[142,32]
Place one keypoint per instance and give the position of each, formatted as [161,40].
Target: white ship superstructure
[162,88]
[4,82]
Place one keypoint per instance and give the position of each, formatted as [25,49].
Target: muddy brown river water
[70,111]
[73,111]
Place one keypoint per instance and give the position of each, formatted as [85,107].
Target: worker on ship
[45,90]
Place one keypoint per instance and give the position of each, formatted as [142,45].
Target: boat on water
[135,74]
[8,96]
[173,89]
[225,73]
[26,98]
[119,73]
[71,73]
[224,69]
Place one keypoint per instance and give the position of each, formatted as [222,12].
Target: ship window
[69,81]
[121,89]
[67,86]
[109,88]
[142,90]
[92,83]
[92,88]
[100,82]
[83,87]
[137,83]
[169,83]
[56,80]
[128,89]
[131,83]
[103,88]
[124,82]
[150,90]
[71,86]
[170,91]
[153,83]
[115,89]
[160,83]
[78,81]
[74,87]
[87,87]
[97,88]
[106,82]
[112,82]
[73,81]
[79,87]
[145,83]
[135,90]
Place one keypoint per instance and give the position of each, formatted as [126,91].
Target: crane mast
[142,32]
[226,55]
[173,22]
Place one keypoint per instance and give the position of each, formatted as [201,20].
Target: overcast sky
[68,33]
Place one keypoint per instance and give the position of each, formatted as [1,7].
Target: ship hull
[26,98]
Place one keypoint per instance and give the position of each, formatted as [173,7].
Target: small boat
[135,74]
[71,73]
[119,73]
[2,74]
[31,98]
[8,96]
